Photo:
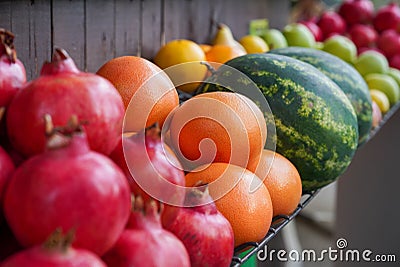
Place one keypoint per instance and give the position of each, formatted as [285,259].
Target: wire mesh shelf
[280,221]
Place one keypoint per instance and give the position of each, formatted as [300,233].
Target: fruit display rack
[280,221]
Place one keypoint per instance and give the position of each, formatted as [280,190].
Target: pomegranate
[389,42]
[152,167]
[12,71]
[356,11]
[8,243]
[56,252]
[205,232]
[363,35]
[61,91]
[71,187]
[6,170]
[330,23]
[314,28]
[387,17]
[145,242]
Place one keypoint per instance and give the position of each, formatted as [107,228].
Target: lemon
[380,99]
[181,59]
[254,44]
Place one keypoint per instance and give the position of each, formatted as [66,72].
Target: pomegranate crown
[7,45]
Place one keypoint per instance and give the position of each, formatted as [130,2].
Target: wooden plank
[151,27]
[69,28]
[188,19]
[127,27]
[5,15]
[31,23]
[278,13]
[100,33]
[172,19]
[237,14]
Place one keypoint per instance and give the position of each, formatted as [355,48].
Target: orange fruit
[218,127]
[282,179]
[187,76]
[223,53]
[205,47]
[148,93]
[248,211]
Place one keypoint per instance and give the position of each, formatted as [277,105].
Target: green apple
[341,47]
[319,45]
[371,62]
[297,34]
[385,84]
[380,99]
[395,74]
[275,39]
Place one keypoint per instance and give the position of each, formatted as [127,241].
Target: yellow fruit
[380,99]
[188,76]
[205,47]
[254,44]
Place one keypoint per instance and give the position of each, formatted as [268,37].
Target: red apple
[356,11]
[331,22]
[364,49]
[389,42]
[314,28]
[387,17]
[394,61]
[363,35]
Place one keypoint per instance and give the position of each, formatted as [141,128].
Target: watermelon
[316,125]
[345,76]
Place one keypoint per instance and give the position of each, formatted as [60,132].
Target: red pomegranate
[6,170]
[61,91]
[68,187]
[56,252]
[145,242]
[12,71]
[152,169]
[205,232]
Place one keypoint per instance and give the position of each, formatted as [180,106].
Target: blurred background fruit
[371,62]
[253,44]
[380,99]
[182,51]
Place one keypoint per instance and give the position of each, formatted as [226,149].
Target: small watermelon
[316,125]
[345,76]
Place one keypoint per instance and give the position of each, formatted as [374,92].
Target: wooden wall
[94,31]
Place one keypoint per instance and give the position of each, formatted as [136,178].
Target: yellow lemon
[254,44]
[186,57]
[380,99]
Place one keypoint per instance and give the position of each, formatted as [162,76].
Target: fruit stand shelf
[278,222]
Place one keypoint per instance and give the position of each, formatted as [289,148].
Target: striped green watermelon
[316,125]
[345,76]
